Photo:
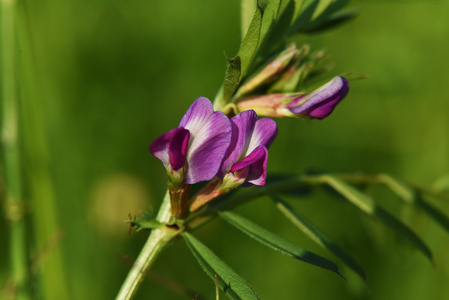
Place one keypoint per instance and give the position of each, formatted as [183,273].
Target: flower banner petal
[208,148]
[264,134]
[197,115]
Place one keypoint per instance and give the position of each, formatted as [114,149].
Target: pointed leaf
[250,42]
[367,205]
[309,19]
[332,21]
[276,242]
[315,234]
[232,77]
[229,282]
[321,7]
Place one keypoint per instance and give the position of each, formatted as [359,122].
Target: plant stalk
[11,151]
[158,239]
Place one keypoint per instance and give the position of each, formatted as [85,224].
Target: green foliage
[316,234]
[229,282]
[276,242]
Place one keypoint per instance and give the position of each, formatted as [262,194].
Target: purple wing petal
[178,148]
[242,129]
[323,100]
[197,115]
[208,148]
[256,162]
[171,147]
[264,134]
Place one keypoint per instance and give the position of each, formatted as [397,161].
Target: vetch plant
[223,148]
[218,157]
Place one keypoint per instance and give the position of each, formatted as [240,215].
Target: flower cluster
[228,153]
[207,145]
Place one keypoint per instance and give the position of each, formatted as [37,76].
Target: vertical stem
[10,141]
[33,108]
[156,242]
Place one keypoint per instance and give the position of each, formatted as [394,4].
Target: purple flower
[246,157]
[317,104]
[245,161]
[193,151]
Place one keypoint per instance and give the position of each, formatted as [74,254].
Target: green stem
[158,239]
[10,141]
[33,109]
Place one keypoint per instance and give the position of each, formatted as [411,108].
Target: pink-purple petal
[171,147]
[242,130]
[264,134]
[256,162]
[323,100]
[197,115]
[178,149]
[208,148]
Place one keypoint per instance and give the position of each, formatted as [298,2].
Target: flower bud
[316,104]
[322,101]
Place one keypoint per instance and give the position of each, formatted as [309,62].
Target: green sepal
[277,243]
[229,282]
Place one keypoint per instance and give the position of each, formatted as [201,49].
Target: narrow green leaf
[276,242]
[309,21]
[367,205]
[250,42]
[332,21]
[229,282]
[321,7]
[271,11]
[316,234]
[435,214]
[411,196]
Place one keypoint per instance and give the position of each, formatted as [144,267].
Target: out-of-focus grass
[114,75]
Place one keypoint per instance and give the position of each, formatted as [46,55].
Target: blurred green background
[110,76]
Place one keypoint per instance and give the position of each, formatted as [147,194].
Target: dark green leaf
[367,205]
[315,234]
[229,282]
[276,242]
[232,77]
[435,214]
